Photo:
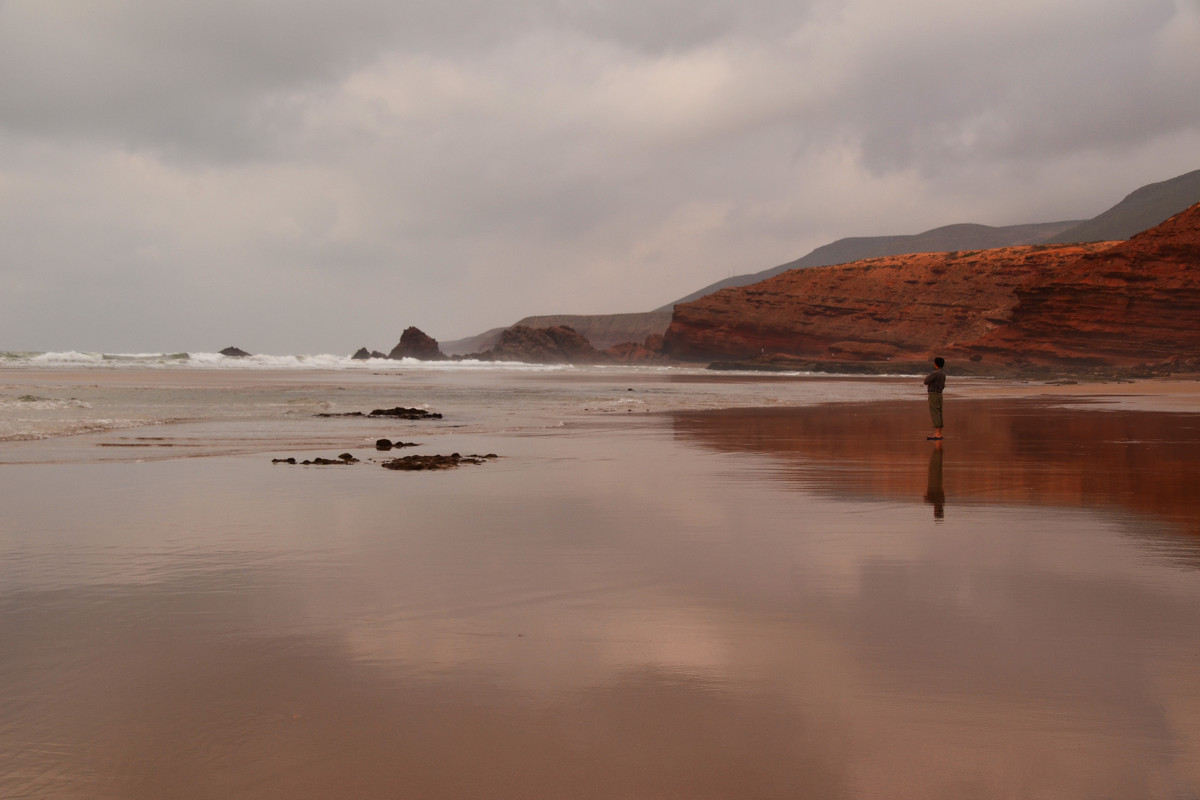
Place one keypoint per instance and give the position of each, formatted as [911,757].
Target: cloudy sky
[311,177]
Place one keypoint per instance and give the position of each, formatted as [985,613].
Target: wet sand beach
[784,598]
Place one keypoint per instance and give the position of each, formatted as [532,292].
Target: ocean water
[53,395]
[670,583]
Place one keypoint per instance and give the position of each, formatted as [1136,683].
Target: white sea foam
[322,361]
[30,402]
[68,393]
[23,430]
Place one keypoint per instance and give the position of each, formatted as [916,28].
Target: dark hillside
[1139,211]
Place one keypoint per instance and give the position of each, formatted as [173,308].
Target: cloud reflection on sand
[754,604]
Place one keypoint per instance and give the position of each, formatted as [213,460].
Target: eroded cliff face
[1136,302]
[1119,303]
[892,307]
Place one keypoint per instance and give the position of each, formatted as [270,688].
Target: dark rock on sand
[405,413]
[414,343]
[344,458]
[234,352]
[420,463]
[392,413]
[406,463]
[388,444]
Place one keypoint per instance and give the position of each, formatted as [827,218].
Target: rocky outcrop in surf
[562,344]
[558,344]
[415,343]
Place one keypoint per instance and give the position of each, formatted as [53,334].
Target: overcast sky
[311,177]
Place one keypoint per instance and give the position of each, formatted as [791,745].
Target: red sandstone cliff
[1137,302]
[1112,303]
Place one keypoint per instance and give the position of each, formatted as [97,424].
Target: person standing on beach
[935,383]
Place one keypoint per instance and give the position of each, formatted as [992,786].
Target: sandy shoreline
[745,598]
[1145,394]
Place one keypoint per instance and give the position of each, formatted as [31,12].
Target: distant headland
[1080,298]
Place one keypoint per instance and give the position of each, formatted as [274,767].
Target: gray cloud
[470,163]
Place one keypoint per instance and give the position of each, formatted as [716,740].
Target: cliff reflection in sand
[1014,452]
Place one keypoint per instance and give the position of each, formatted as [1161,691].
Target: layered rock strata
[878,309]
[1136,302]
[1129,302]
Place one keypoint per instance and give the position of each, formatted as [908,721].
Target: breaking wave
[75,359]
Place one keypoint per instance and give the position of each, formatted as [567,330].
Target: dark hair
[940,362]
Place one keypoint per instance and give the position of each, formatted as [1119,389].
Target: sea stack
[414,343]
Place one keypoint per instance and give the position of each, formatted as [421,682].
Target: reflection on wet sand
[160,709]
[641,610]
[1016,452]
[935,494]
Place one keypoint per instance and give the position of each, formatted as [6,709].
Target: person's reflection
[934,494]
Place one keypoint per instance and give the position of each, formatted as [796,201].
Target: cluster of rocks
[344,458]
[555,344]
[422,463]
[404,463]
[414,343]
[388,444]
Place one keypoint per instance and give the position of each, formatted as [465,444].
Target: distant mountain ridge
[963,236]
[1142,209]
